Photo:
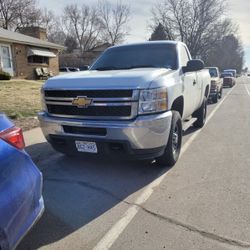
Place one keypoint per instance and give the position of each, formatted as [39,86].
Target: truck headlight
[153,101]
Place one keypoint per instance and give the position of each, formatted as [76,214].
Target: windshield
[230,72]
[226,75]
[138,56]
[213,72]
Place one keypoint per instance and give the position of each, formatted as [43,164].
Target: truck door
[190,85]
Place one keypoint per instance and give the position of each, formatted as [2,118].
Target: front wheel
[173,148]
[201,114]
[215,98]
[221,92]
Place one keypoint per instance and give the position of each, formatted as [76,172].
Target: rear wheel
[201,114]
[173,148]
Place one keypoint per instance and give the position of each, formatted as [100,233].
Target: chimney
[36,32]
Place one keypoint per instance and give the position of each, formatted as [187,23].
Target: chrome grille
[106,104]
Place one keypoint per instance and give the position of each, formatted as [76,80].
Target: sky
[238,10]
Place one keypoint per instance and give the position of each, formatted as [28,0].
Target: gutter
[49,45]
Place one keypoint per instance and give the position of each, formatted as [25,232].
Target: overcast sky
[238,10]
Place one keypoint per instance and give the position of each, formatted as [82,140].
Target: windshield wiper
[106,68]
[140,66]
[130,67]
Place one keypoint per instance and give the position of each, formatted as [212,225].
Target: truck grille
[104,104]
[90,93]
[90,111]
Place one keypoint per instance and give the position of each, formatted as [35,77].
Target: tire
[215,98]
[201,114]
[221,93]
[173,148]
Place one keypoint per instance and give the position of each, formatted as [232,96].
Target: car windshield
[213,72]
[138,56]
[227,75]
[229,72]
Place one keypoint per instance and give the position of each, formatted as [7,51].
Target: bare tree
[53,24]
[114,19]
[70,43]
[83,24]
[16,12]
[198,23]
[227,53]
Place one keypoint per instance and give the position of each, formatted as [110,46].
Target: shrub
[4,75]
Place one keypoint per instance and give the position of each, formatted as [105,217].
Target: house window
[6,58]
[38,59]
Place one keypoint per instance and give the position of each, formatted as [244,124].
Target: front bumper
[213,92]
[142,135]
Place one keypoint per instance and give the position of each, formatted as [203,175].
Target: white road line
[112,235]
[247,89]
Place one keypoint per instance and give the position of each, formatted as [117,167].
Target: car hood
[215,78]
[112,79]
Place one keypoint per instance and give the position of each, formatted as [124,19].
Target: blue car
[21,202]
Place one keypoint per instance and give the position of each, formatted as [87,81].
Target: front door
[190,93]
[6,59]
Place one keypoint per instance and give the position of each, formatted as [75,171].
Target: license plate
[86,146]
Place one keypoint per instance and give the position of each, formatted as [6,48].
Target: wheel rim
[175,140]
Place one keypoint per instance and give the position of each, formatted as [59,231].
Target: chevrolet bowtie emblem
[82,101]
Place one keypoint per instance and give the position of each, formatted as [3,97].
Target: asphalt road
[201,203]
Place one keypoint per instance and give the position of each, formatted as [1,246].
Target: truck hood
[113,79]
[215,78]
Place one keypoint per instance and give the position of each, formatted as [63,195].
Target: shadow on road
[79,190]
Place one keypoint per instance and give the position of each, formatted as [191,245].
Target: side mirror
[194,65]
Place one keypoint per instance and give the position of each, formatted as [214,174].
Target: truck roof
[149,43]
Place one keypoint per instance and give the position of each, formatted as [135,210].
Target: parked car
[228,79]
[21,201]
[135,100]
[69,69]
[216,84]
[233,71]
[84,67]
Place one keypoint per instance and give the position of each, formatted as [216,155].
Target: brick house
[21,52]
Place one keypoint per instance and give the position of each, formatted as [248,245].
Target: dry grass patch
[20,100]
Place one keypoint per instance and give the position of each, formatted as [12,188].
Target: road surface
[201,203]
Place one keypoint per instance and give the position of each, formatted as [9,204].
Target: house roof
[15,37]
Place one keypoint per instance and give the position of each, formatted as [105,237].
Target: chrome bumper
[145,132]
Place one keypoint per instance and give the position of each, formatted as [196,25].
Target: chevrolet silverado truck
[134,101]
[216,84]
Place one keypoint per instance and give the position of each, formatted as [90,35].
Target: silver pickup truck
[135,101]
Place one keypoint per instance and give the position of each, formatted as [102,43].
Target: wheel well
[178,105]
[207,91]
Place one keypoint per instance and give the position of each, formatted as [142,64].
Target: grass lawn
[20,99]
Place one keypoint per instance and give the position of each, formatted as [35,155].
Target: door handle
[194,82]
